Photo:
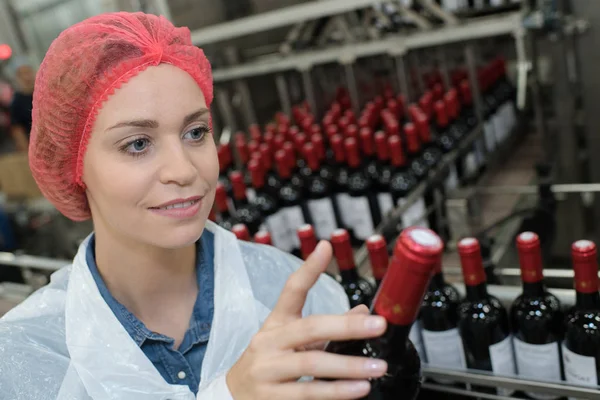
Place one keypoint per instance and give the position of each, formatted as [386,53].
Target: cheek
[208,165]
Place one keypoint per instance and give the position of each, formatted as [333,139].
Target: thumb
[359,309]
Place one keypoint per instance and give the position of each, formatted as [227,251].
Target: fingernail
[358,387]
[375,366]
[375,323]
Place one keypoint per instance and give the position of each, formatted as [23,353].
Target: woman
[159,303]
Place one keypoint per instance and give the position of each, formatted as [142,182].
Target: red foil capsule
[308,240]
[471,261]
[241,232]
[378,255]
[263,237]
[585,264]
[530,257]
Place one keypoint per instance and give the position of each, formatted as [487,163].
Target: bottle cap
[308,240]
[412,138]
[291,154]
[263,237]
[299,141]
[438,91]
[311,157]
[343,123]
[241,232]
[381,145]
[585,265]
[283,165]
[530,257]
[366,141]
[426,104]
[253,146]
[256,173]
[331,130]
[422,124]
[255,133]
[392,127]
[471,261]
[238,185]
[352,132]
[221,198]
[267,156]
[319,145]
[398,158]
[465,93]
[441,115]
[349,114]
[269,138]
[242,150]
[378,255]
[342,250]
[352,153]
[278,142]
[337,145]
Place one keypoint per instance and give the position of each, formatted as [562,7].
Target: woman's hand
[289,347]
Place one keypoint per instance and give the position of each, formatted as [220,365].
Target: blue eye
[196,134]
[139,145]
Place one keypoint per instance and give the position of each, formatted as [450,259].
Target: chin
[179,236]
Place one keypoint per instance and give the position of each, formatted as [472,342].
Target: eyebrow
[153,124]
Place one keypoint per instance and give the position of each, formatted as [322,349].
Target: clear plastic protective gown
[65,343]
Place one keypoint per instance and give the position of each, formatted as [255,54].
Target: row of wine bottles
[349,172]
[536,339]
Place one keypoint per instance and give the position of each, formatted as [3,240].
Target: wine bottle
[474,160]
[245,212]
[398,299]
[308,240]
[241,232]
[358,290]
[342,198]
[536,319]
[225,167]
[263,237]
[384,171]
[439,321]
[378,256]
[483,320]
[581,348]
[226,219]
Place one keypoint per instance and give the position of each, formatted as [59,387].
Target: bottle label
[323,217]
[489,135]
[499,126]
[538,362]
[451,182]
[444,349]
[386,203]
[277,226]
[250,194]
[471,166]
[345,207]
[415,215]
[415,336]
[362,221]
[294,219]
[496,3]
[503,361]
[579,370]
[450,5]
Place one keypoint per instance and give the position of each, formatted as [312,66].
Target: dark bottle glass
[271,177]
[245,212]
[458,131]
[308,240]
[419,167]
[416,252]
[225,167]
[439,323]
[342,197]
[378,256]
[581,349]
[241,232]
[292,203]
[474,160]
[263,237]
[384,171]
[402,182]
[358,290]
[367,146]
[446,142]
[483,320]
[536,319]
[226,219]
[327,171]
[363,209]
[319,194]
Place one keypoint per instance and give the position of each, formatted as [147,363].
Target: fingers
[317,328]
[336,390]
[320,345]
[359,309]
[294,293]
[323,365]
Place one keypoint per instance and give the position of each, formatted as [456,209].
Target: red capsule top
[319,145]
[465,93]
[379,102]
[238,185]
[283,165]
[441,115]
[471,261]
[349,114]
[401,100]
[278,142]
[271,127]
[378,255]
[352,153]
[383,153]
[342,250]
[343,124]
[366,141]
[416,253]
[585,264]
[267,155]
[241,232]
[331,130]
[221,198]
[451,106]
[398,157]
[392,127]
[337,145]
[352,132]
[263,237]
[225,159]
[422,123]
[257,173]
[530,257]
[412,138]
[438,91]
[392,105]
[255,132]
[269,138]
[253,146]
[426,104]
[242,150]
[311,157]
[290,152]
[308,240]
[300,140]
[240,137]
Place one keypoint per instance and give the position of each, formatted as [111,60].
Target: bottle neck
[536,289]
[391,346]
[349,275]
[437,281]
[477,292]
[588,300]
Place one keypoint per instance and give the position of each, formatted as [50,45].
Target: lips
[178,203]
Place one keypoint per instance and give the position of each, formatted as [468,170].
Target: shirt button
[181,375]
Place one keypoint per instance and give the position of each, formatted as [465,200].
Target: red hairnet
[82,69]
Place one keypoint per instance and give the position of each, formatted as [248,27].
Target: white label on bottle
[444,349]
[345,207]
[295,219]
[416,338]
[538,362]
[503,361]
[323,217]
[470,164]
[362,221]
[499,127]
[489,135]
[579,370]
[278,227]
[451,182]
[496,3]
[510,116]
[415,215]
[450,5]
[386,203]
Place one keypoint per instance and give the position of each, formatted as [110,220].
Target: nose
[176,166]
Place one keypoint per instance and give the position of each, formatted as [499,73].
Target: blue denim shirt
[180,366]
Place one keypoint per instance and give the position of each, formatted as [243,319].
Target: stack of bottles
[348,171]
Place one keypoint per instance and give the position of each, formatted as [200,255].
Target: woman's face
[151,164]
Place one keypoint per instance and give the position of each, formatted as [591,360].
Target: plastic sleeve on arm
[216,390]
